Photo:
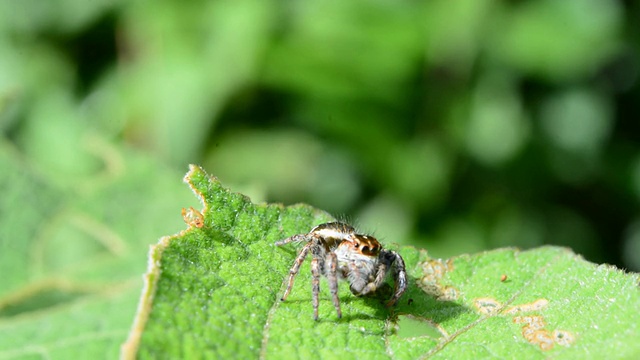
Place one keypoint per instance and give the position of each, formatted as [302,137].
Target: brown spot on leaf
[432,272]
[535,333]
[535,322]
[563,337]
[542,338]
[449,293]
[193,217]
[487,306]
[533,306]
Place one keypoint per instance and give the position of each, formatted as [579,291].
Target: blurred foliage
[454,126]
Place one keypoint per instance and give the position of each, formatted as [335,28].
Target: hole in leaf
[409,327]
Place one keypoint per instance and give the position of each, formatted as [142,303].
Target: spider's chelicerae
[338,252]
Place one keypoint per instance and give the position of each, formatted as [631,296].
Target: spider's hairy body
[339,253]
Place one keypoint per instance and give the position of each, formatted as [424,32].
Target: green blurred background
[456,126]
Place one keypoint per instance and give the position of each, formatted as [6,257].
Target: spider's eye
[365,249]
[356,245]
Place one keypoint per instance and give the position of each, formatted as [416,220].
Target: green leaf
[71,255]
[213,291]
[541,303]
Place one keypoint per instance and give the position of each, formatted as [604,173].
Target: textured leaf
[213,291]
[541,303]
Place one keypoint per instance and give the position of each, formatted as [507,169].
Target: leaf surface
[213,291]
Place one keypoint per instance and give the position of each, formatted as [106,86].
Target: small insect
[503,278]
[339,253]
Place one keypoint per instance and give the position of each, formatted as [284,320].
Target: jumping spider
[340,253]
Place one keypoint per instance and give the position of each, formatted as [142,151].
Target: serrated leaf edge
[130,347]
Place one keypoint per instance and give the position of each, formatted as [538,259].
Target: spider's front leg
[294,238]
[332,277]
[315,272]
[366,288]
[297,263]
[399,276]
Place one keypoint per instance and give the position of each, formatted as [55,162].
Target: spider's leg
[399,277]
[294,238]
[381,273]
[295,268]
[315,272]
[333,281]
[355,279]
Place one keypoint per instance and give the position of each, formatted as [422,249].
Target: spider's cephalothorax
[338,252]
